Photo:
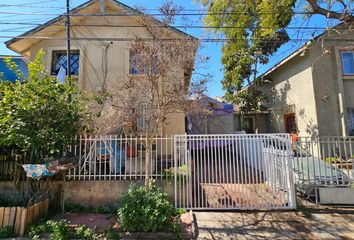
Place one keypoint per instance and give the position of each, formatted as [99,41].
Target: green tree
[35,114]
[254,31]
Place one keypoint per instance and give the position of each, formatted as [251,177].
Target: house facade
[311,92]
[94,61]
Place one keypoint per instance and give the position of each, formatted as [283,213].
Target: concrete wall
[292,91]
[102,62]
[91,193]
[95,193]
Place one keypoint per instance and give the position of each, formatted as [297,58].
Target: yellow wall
[96,56]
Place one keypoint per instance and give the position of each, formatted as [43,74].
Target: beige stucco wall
[333,92]
[101,62]
[292,91]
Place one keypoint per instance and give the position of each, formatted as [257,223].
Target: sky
[31,11]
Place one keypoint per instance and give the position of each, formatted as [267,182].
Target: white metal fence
[234,171]
[323,162]
[117,157]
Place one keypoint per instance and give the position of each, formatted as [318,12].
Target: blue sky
[212,50]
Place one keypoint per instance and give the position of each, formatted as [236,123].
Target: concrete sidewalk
[275,225]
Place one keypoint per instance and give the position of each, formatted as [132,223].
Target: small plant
[112,234]
[145,210]
[34,231]
[332,160]
[60,230]
[6,232]
[83,232]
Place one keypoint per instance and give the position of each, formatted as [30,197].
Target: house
[100,48]
[310,92]
[216,117]
[21,63]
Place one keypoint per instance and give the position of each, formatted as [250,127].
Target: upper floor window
[348,62]
[59,60]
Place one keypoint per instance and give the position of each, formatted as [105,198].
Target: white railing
[234,171]
[121,158]
[323,162]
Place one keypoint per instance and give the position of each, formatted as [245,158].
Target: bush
[6,232]
[145,210]
[60,230]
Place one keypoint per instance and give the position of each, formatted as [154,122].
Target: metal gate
[235,171]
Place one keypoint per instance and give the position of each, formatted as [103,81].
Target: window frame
[53,51]
[342,61]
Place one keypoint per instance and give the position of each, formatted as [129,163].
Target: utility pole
[255,89]
[68,70]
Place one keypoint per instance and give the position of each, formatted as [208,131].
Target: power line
[29,6]
[139,14]
[166,26]
[108,39]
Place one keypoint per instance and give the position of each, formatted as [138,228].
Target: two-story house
[311,91]
[101,35]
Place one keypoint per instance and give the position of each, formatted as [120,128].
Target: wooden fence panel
[19,217]
[12,216]
[2,211]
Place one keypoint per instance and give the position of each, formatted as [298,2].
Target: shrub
[60,230]
[6,232]
[83,232]
[145,210]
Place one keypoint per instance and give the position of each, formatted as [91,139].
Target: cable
[151,39]
[165,26]
[138,14]
[28,6]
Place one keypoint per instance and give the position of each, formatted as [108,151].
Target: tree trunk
[148,161]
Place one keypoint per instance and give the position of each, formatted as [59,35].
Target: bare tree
[159,83]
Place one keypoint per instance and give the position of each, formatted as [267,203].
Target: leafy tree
[35,114]
[255,30]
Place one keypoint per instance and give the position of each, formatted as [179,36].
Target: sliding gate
[238,171]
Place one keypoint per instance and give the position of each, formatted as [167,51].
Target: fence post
[290,175]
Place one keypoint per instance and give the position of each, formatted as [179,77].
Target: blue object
[117,154]
[9,74]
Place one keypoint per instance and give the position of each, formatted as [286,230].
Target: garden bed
[102,222]
[19,218]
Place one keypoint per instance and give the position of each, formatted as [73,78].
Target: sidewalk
[275,225]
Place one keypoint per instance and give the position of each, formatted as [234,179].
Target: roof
[83,6]
[297,52]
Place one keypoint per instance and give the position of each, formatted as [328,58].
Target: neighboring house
[94,62]
[311,92]
[8,74]
[216,118]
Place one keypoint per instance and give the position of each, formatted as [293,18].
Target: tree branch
[344,16]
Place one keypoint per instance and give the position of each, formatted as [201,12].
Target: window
[348,62]
[290,123]
[142,120]
[351,121]
[59,60]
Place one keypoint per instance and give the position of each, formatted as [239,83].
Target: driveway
[275,225]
